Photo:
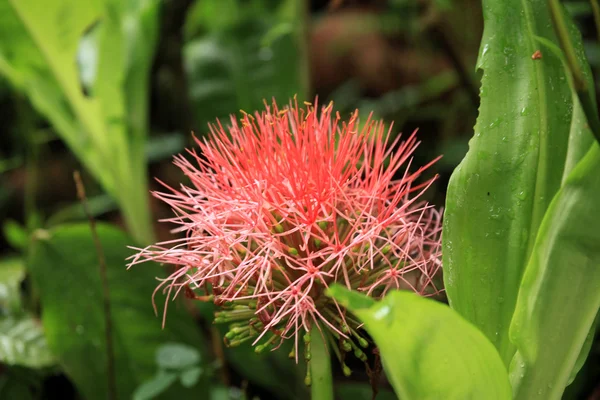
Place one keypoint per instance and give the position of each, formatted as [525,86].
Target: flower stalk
[319,372]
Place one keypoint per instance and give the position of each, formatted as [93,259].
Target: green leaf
[526,140]
[176,356]
[64,268]
[230,69]
[225,393]
[39,59]
[211,15]
[155,386]
[189,377]
[12,273]
[16,234]
[428,350]
[560,293]
[22,342]
[585,351]
[98,105]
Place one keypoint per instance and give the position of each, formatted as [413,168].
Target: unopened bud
[346,346]
[346,370]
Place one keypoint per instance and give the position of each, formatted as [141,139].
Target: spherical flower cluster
[287,202]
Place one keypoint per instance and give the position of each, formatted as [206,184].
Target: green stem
[320,367]
[135,206]
[596,13]
[581,87]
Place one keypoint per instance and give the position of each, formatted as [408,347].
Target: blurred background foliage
[114,88]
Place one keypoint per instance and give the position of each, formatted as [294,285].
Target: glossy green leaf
[585,351]
[527,138]
[428,350]
[22,342]
[64,268]
[560,293]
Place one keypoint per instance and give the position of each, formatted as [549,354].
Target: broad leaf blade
[428,350]
[499,194]
[560,292]
[64,267]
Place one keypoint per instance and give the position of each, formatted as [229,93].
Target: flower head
[283,204]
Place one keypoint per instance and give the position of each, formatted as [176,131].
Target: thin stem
[581,87]
[110,362]
[320,367]
[32,166]
[560,27]
[596,12]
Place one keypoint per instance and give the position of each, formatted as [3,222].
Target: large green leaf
[428,350]
[53,50]
[560,292]
[527,138]
[64,267]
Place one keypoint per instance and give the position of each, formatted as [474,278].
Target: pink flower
[283,204]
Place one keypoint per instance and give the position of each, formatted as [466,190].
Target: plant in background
[86,68]
[286,203]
